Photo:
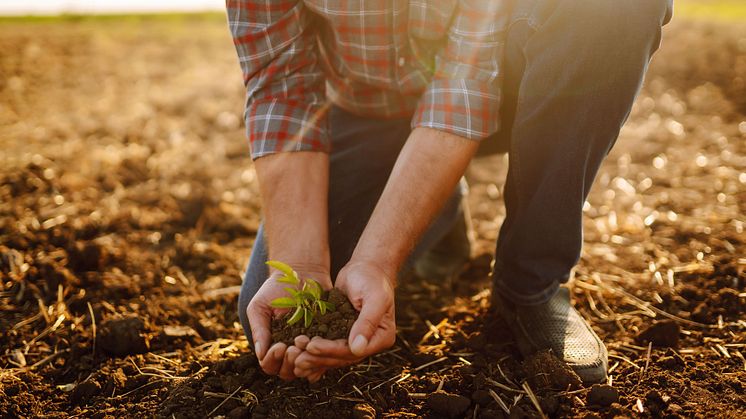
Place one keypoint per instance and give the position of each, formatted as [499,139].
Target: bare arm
[426,172]
[294,188]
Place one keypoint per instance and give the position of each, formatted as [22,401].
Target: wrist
[382,270]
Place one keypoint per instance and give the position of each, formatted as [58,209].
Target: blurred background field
[128,207]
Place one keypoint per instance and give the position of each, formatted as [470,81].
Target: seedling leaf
[296,316]
[306,301]
[293,280]
[283,302]
[294,292]
[314,288]
[308,317]
[283,267]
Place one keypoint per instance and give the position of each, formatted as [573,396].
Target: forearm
[294,188]
[424,176]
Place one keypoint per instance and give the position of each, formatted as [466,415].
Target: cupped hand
[371,291]
[278,358]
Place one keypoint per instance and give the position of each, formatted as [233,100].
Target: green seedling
[306,301]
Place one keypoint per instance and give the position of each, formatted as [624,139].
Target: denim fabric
[363,154]
[572,71]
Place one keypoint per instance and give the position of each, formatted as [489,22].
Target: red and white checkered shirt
[438,61]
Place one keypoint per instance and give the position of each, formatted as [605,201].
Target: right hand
[278,358]
[371,291]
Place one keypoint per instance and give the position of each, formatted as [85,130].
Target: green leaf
[307,317]
[282,267]
[314,288]
[283,302]
[329,306]
[322,307]
[294,292]
[304,296]
[293,280]
[296,316]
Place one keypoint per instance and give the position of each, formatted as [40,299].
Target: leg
[573,69]
[364,151]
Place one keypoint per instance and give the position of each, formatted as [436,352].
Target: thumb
[259,321]
[371,314]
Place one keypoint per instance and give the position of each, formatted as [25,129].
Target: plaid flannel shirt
[437,61]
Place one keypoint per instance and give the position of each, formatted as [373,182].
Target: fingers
[306,361]
[331,348]
[371,315]
[384,337]
[259,320]
[301,342]
[272,361]
[288,364]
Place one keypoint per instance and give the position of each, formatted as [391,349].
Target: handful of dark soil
[332,325]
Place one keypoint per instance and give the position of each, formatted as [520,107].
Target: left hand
[278,358]
[371,292]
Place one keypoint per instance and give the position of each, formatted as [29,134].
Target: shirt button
[402,61]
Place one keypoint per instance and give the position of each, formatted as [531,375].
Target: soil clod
[447,404]
[124,336]
[602,395]
[545,371]
[664,333]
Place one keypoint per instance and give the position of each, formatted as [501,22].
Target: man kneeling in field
[362,119]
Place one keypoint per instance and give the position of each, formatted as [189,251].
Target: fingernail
[258,350]
[358,345]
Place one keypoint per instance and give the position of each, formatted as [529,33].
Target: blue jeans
[572,71]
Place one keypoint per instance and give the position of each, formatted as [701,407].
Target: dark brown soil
[331,325]
[602,395]
[447,404]
[664,334]
[128,209]
[544,371]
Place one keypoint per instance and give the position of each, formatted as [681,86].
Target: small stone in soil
[664,333]
[447,404]
[363,411]
[602,395]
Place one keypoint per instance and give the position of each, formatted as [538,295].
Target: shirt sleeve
[279,57]
[463,98]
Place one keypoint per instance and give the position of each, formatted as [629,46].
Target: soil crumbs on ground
[128,207]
